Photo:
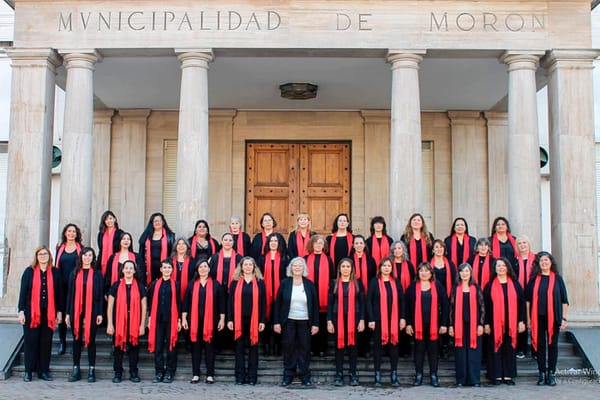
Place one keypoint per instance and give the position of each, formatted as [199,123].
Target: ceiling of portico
[349,81]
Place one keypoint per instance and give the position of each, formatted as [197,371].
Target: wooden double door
[286,178]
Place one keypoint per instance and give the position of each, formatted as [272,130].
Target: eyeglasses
[43,254]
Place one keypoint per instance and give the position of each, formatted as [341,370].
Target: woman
[320,273]
[418,239]
[547,304]
[503,243]
[126,314]
[346,318]
[445,274]
[299,238]
[379,243]
[182,265]
[204,306]
[426,319]
[246,311]
[84,311]
[108,238]
[39,312]
[504,318]
[241,240]
[272,266]
[386,318]
[116,261]
[482,262]
[222,266]
[459,245]
[365,272]
[404,272]
[467,313]
[67,252]
[296,318]
[202,245]
[268,225]
[525,259]
[340,240]
[156,243]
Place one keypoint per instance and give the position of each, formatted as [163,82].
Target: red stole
[239,247]
[61,250]
[114,268]
[121,315]
[208,325]
[362,270]
[154,316]
[323,278]
[89,305]
[272,278]
[107,248]
[404,274]
[454,249]
[163,254]
[301,243]
[194,246]
[349,238]
[351,314]
[185,275]
[535,311]
[237,313]
[387,334]
[433,326]
[448,274]
[458,320]
[498,310]
[525,270]
[220,268]
[485,274]
[379,251]
[412,249]
[496,244]
[36,288]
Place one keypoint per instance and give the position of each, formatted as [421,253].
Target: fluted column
[76,174]
[524,198]
[405,139]
[192,141]
[572,178]
[27,223]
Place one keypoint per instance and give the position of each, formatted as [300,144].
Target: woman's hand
[361,325]
[110,329]
[21,317]
[443,330]
[479,330]
[68,320]
[372,325]
[98,319]
[330,327]
[521,328]
[314,330]
[277,328]
[409,330]
[230,325]
[261,327]
[184,323]
[486,329]
[451,331]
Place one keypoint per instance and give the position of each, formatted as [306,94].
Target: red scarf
[208,325]
[496,244]
[114,269]
[433,326]
[448,274]
[154,316]
[485,274]
[220,268]
[454,249]
[323,283]
[525,270]
[121,315]
[362,270]
[351,314]
[301,243]
[237,313]
[240,242]
[535,311]
[107,248]
[379,251]
[211,243]
[89,305]
[404,274]
[185,275]
[349,238]
[36,288]
[413,249]
[498,309]
[163,254]
[61,250]
[458,320]
[388,335]
[272,279]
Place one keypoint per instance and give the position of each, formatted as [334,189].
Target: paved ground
[14,388]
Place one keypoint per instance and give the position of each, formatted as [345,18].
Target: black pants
[339,359]
[522,342]
[209,355]
[134,357]
[404,344]
[163,337]
[38,345]
[78,344]
[295,340]
[468,360]
[378,348]
[542,339]
[504,361]
[426,346]
[319,341]
[241,372]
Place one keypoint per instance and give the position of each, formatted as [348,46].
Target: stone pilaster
[101,169]
[497,145]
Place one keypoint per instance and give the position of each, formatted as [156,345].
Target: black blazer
[332,304]
[218,303]
[97,295]
[115,244]
[284,297]
[411,300]
[25,292]
[374,299]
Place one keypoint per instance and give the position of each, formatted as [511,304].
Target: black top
[320,259]
[218,297]
[369,242]
[163,309]
[25,294]
[489,303]
[333,306]
[284,298]
[114,290]
[97,294]
[108,277]
[374,300]
[227,265]
[411,301]
[420,257]
[115,244]
[460,247]
[247,300]
[559,295]
[466,306]
[207,251]
[257,248]
[247,244]
[341,250]
[292,244]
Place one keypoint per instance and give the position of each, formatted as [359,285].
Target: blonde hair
[303,214]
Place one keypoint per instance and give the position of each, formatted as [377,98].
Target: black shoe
[158,378]
[27,377]
[168,378]
[285,382]
[307,382]
[252,382]
[45,377]
[62,349]
[418,380]
[435,382]
[476,385]
[117,378]
[134,377]
[75,375]
[497,382]
[239,382]
[541,379]
[551,379]
[195,379]
[509,382]
[459,386]
[377,379]
[394,379]
[339,380]
[92,375]
[354,381]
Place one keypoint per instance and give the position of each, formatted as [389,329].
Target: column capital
[195,57]
[103,116]
[517,60]
[34,57]
[222,114]
[405,58]
[86,58]
[465,118]
[376,116]
[496,118]
[134,113]
[574,59]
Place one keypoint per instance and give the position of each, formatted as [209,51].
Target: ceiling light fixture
[298,90]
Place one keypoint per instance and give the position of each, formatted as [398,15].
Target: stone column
[101,168]
[78,145]
[192,141]
[27,222]
[572,178]
[405,139]
[497,145]
[524,198]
